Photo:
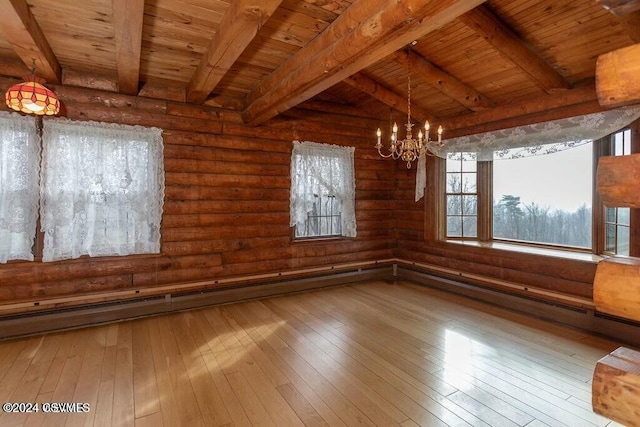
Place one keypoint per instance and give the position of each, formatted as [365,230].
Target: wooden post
[616,387]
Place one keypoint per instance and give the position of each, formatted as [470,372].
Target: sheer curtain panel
[19,161]
[322,169]
[102,189]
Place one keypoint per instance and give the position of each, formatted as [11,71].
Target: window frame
[462,194]
[341,153]
[436,229]
[38,247]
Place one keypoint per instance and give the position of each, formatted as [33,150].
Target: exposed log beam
[23,32]
[241,23]
[367,85]
[127,24]
[366,32]
[444,82]
[333,108]
[632,23]
[508,43]
[580,100]
[620,7]
[617,81]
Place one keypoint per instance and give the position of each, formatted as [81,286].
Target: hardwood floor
[367,354]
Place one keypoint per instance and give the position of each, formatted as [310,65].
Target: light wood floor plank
[371,353]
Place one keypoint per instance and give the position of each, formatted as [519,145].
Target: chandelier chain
[410,148]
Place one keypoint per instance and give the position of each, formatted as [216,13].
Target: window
[617,220]
[19,161]
[102,189]
[462,195]
[545,199]
[322,190]
[535,185]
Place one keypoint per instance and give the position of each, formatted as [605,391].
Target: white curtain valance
[102,189]
[540,138]
[322,169]
[19,166]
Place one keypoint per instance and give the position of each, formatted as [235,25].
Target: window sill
[532,250]
[331,239]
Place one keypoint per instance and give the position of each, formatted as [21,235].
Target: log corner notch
[618,77]
[616,387]
[617,181]
[616,378]
[616,287]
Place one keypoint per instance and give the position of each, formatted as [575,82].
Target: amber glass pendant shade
[31,97]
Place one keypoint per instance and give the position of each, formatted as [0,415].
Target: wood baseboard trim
[90,315]
[622,330]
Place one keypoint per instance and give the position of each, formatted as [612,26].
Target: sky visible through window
[561,180]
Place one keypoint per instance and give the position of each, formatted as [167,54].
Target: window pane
[469,205]
[623,241]
[470,226]
[454,226]
[611,214]
[545,198]
[610,238]
[453,164]
[469,182]
[469,166]
[453,183]
[454,205]
[623,216]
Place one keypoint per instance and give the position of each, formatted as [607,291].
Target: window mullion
[485,201]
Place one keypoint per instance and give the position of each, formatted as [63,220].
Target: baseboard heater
[551,306]
[148,302]
[544,304]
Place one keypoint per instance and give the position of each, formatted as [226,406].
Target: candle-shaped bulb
[427,126]
[395,127]
[440,133]
[420,136]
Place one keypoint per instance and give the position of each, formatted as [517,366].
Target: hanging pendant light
[31,97]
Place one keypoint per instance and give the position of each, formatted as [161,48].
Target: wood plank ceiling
[475,65]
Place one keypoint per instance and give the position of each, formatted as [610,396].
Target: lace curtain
[541,138]
[322,169]
[19,162]
[531,140]
[102,189]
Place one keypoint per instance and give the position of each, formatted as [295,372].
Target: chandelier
[31,97]
[410,148]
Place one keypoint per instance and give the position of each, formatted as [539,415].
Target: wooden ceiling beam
[513,113]
[27,39]
[127,24]
[631,22]
[620,7]
[369,86]
[368,31]
[240,24]
[486,24]
[444,82]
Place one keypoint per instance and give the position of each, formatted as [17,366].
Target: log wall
[226,211]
